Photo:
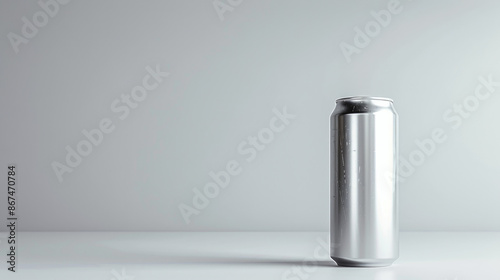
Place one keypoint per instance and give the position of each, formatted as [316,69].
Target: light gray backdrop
[230,64]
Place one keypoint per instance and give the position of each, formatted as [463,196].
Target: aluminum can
[364,227]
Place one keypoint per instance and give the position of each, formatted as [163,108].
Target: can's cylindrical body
[364,228]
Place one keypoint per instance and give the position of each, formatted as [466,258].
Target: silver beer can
[364,228]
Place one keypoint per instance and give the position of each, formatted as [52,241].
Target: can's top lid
[363,98]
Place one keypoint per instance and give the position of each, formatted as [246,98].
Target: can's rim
[364,98]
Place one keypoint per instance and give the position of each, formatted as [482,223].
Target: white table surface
[242,255]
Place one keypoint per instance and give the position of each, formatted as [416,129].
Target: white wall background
[225,79]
